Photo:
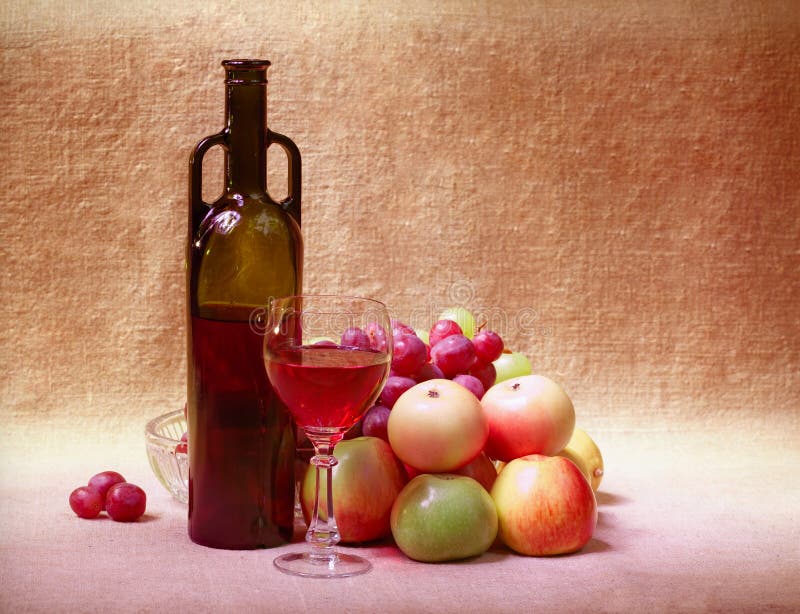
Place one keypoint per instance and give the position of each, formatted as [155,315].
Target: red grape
[399,327]
[86,502]
[353,432]
[182,447]
[428,371]
[375,422]
[488,346]
[409,354]
[471,383]
[487,374]
[395,386]
[453,355]
[101,482]
[443,329]
[377,336]
[356,338]
[125,502]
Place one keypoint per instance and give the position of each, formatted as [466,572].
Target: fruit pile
[491,451]
[451,350]
[108,490]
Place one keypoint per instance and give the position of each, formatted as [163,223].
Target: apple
[583,451]
[443,518]
[527,415]
[511,364]
[366,481]
[437,426]
[481,469]
[545,506]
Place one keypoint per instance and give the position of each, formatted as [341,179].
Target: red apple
[366,481]
[437,426]
[527,415]
[480,469]
[545,506]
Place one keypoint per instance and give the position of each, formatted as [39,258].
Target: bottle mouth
[253,72]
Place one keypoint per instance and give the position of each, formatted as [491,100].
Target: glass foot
[335,565]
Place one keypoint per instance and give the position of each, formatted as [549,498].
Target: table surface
[688,521]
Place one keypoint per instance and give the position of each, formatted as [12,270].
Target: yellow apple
[437,426]
[583,451]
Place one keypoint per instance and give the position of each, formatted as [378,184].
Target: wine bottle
[242,250]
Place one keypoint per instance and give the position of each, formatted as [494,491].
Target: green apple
[545,506]
[511,364]
[462,317]
[366,481]
[443,517]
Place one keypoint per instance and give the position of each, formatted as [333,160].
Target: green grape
[462,317]
[424,335]
[510,365]
[315,340]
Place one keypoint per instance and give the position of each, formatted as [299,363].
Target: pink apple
[366,481]
[545,506]
[437,426]
[527,415]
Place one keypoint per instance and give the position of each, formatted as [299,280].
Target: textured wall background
[614,184]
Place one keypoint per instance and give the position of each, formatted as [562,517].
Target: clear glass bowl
[162,435]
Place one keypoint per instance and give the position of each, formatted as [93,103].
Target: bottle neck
[246,115]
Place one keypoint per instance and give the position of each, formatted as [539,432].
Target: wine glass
[327,358]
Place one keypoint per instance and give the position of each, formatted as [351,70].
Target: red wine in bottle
[243,249]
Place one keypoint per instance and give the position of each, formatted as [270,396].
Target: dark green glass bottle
[242,249]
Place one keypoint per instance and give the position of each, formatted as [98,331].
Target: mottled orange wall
[615,184]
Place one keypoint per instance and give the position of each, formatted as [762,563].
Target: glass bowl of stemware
[167,453]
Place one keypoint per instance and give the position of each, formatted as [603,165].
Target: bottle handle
[292,201]
[198,208]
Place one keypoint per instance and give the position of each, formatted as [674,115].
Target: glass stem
[323,534]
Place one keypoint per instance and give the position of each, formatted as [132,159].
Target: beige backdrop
[615,185]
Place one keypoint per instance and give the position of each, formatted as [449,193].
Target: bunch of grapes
[449,354]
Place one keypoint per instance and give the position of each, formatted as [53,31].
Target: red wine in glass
[327,386]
